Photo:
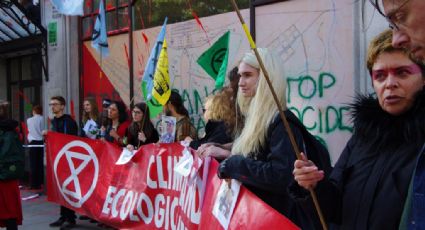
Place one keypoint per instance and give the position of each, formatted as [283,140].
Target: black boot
[70,223]
[11,224]
[58,223]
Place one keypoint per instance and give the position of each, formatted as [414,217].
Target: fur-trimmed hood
[374,124]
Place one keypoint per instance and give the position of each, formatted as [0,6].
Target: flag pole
[279,106]
[142,126]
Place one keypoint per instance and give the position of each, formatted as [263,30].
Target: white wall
[322,44]
[315,42]
[372,25]
[62,59]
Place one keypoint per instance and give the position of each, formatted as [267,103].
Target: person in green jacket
[11,170]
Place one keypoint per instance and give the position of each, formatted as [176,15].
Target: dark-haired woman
[184,126]
[141,131]
[117,129]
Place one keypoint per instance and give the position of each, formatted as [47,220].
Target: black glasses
[391,18]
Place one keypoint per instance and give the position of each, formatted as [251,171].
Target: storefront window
[116,16]
[151,13]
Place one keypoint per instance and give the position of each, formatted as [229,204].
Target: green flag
[214,60]
[154,107]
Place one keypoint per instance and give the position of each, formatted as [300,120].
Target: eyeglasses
[393,21]
[400,71]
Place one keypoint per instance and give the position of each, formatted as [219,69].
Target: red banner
[144,193]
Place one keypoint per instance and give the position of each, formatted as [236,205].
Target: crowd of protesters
[377,182]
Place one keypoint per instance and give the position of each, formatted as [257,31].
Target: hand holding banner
[145,193]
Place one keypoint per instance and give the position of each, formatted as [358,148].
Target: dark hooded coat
[368,186]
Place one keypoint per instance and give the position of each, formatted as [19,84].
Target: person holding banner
[220,115]
[370,182]
[89,125]
[35,126]
[141,131]
[117,129]
[11,170]
[184,127]
[63,123]
[261,156]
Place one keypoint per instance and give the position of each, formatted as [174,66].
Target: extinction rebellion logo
[79,161]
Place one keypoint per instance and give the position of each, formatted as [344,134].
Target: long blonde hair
[260,110]
[222,108]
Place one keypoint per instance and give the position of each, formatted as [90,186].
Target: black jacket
[8,125]
[215,131]
[150,132]
[269,173]
[368,186]
[65,124]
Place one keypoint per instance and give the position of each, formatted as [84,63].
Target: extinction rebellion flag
[214,60]
[100,38]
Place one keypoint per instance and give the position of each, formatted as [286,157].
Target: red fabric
[250,212]
[10,202]
[144,193]
[122,131]
[93,86]
[24,131]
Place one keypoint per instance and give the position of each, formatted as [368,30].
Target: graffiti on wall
[323,120]
[313,40]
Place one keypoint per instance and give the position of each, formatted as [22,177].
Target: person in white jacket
[35,139]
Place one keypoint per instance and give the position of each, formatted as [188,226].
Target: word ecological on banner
[145,192]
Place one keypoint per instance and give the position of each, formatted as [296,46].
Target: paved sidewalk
[38,213]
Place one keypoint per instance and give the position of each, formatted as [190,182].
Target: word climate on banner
[124,196]
[144,191]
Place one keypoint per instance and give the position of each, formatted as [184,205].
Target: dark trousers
[67,213]
[11,224]
[36,164]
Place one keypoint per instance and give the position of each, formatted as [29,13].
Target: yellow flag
[161,90]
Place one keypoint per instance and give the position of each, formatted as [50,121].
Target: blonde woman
[220,116]
[261,156]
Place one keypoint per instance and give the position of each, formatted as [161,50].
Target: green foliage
[152,12]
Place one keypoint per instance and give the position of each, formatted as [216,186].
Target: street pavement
[38,213]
